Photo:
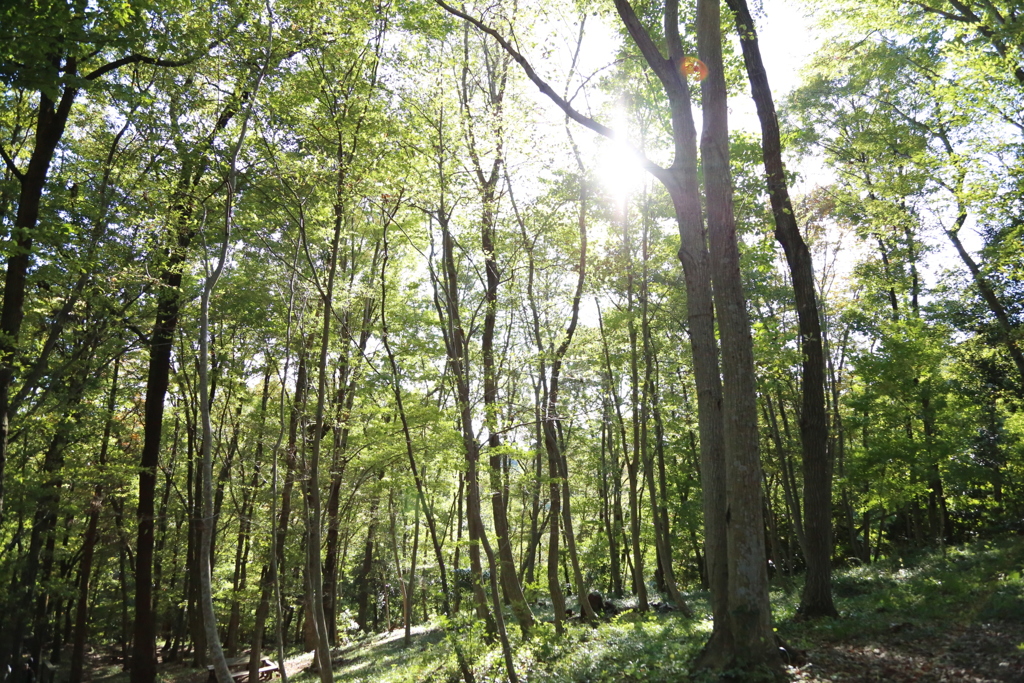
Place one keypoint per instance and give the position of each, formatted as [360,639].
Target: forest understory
[953,616]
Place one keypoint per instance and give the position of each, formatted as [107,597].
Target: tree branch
[139,59]
[543,86]
[675,42]
[947,15]
[652,55]
[9,162]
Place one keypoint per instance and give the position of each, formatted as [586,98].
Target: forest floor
[956,616]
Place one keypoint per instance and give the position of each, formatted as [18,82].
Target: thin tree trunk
[552,423]
[403,583]
[617,514]
[421,498]
[273,577]
[659,516]
[220,665]
[487,185]
[785,472]
[605,491]
[312,486]
[89,544]
[456,344]
[633,463]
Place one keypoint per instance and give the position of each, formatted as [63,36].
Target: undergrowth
[922,595]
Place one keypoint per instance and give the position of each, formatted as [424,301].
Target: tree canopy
[322,320]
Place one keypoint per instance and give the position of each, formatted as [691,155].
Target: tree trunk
[363,580]
[456,344]
[89,544]
[650,409]
[421,498]
[749,609]
[633,463]
[487,185]
[51,120]
[816,600]
[143,665]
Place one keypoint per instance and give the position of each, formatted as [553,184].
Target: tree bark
[89,544]
[749,609]
[816,599]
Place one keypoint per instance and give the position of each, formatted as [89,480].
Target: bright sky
[788,41]
[787,44]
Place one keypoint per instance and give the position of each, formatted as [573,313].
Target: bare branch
[9,162]
[543,86]
[140,59]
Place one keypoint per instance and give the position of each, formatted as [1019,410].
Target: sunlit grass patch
[632,647]
[981,581]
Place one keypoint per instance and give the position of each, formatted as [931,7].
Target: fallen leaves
[983,653]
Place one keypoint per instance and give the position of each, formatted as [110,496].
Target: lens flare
[691,66]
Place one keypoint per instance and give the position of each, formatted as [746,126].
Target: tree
[743,633]
[56,53]
[816,599]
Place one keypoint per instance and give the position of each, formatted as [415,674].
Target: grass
[967,585]
[943,616]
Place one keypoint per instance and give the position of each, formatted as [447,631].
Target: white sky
[787,43]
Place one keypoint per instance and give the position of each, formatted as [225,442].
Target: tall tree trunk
[89,544]
[348,380]
[651,399]
[363,577]
[608,485]
[487,186]
[168,307]
[617,514]
[312,485]
[750,611]
[51,120]
[143,667]
[421,498]
[785,471]
[263,606]
[403,583]
[650,410]
[271,580]
[816,600]
[208,520]
[552,422]
[633,463]
[457,348]
[240,574]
